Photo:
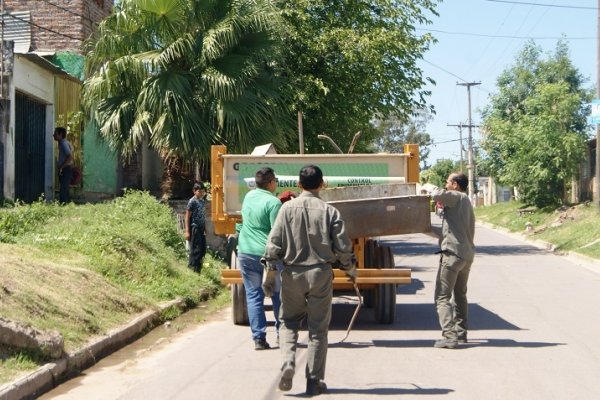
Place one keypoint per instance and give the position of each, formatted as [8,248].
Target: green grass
[82,270]
[569,229]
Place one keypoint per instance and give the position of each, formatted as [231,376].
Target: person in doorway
[64,164]
[308,236]
[456,256]
[259,210]
[195,227]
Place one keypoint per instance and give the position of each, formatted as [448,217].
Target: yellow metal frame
[225,224]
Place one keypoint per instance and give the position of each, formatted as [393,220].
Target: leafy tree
[186,74]
[535,126]
[395,132]
[348,61]
[439,172]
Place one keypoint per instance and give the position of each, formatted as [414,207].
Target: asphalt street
[534,334]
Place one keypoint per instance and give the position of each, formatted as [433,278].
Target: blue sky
[478,39]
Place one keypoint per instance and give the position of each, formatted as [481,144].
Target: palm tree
[185,74]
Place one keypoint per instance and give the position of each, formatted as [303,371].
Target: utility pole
[460,126]
[470,150]
[597,173]
[301,132]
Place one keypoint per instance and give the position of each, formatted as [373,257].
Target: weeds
[82,270]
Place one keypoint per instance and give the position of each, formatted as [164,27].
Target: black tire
[385,294]
[369,294]
[385,303]
[239,305]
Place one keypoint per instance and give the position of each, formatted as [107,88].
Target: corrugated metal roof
[17,27]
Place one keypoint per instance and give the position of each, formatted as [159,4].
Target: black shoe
[315,387]
[287,375]
[261,344]
[462,340]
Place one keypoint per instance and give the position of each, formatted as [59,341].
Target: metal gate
[30,132]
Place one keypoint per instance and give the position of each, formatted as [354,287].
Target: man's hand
[350,271]
[268,285]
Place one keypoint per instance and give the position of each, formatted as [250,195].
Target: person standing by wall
[259,210]
[456,256]
[64,164]
[308,236]
[195,227]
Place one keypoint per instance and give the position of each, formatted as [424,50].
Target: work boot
[287,376]
[315,387]
[261,344]
[445,344]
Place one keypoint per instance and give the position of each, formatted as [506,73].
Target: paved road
[535,334]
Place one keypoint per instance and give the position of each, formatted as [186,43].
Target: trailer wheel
[385,303]
[385,294]
[238,293]
[369,262]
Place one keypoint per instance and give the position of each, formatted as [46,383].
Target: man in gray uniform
[308,236]
[456,256]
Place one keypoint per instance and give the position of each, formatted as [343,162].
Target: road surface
[535,334]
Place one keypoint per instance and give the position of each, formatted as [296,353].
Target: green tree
[535,126]
[349,61]
[394,133]
[185,74]
[439,172]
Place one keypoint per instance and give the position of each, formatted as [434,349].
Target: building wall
[36,82]
[61,24]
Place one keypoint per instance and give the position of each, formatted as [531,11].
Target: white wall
[37,82]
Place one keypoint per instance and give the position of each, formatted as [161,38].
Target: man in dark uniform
[456,256]
[308,236]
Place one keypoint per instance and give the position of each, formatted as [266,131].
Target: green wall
[99,164]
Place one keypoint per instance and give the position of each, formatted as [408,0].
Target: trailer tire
[385,294]
[368,298]
[239,305]
[369,262]
[385,303]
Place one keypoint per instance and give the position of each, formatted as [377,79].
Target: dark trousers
[451,296]
[197,248]
[65,180]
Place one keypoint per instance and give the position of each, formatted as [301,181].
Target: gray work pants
[453,313]
[306,291]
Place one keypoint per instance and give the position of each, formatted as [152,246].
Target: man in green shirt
[259,210]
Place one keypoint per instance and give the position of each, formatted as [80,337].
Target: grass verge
[82,270]
[569,228]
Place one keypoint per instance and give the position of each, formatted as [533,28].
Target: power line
[42,28]
[447,141]
[69,11]
[525,3]
[445,70]
[507,36]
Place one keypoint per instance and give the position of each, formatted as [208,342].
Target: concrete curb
[51,375]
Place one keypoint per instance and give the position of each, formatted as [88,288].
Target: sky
[478,39]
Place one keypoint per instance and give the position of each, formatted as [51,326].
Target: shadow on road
[415,317]
[388,391]
[472,343]
[508,250]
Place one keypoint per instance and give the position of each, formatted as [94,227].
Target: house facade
[40,82]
